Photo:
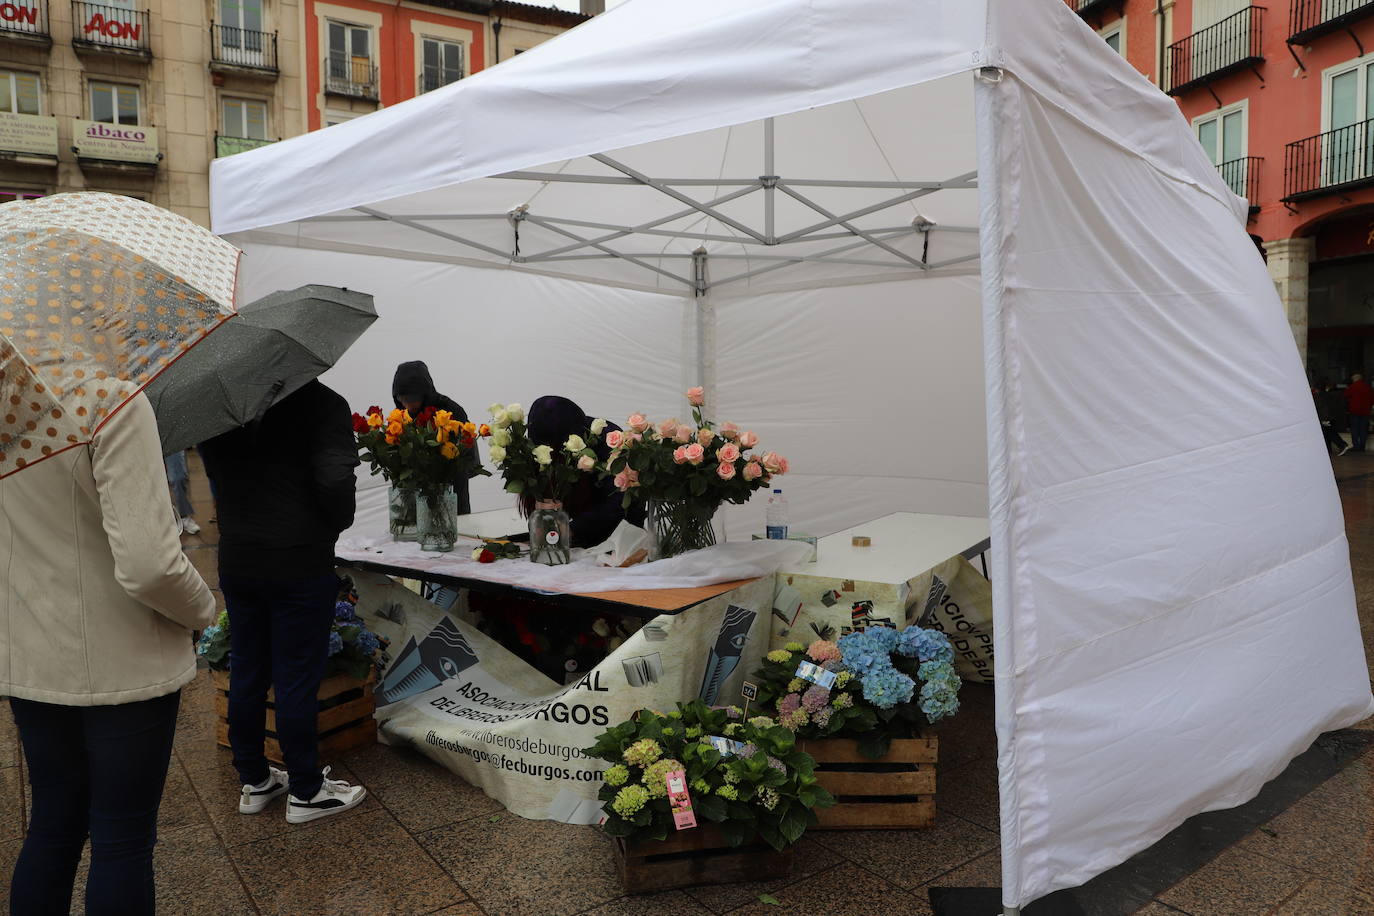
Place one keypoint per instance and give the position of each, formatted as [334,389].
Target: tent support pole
[705,321]
[770,183]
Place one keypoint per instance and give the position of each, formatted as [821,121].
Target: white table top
[905,544]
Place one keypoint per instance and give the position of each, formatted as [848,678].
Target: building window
[337,117]
[241,30]
[1347,114]
[114,103]
[1115,36]
[350,55]
[1222,134]
[441,63]
[20,93]
[7,195]
[245,118]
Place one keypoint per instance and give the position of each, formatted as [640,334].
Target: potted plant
[866,727]
[683,471]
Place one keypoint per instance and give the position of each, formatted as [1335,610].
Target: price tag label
[551,538]
[680,799]
[816,675]
[749,691]
[726,746]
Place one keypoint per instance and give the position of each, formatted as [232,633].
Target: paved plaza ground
[426,842]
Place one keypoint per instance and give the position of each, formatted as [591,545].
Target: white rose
[500,419]
[501,437]
[515,412]
[586,463]
[498,453]
[477,553]
[598,426]
[495,409]
[574,444]
[544,455]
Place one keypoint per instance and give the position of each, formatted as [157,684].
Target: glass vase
[436,519]
[680,525]
[401,513]
[550,534]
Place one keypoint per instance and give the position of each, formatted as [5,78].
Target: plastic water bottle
[777,516]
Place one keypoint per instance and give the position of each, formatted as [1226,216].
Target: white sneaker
[1344,449]
[334,796]
[189,526]
[255,798]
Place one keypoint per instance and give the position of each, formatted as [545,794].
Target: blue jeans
[97,771]
[179,479]
[1359,431]
[278,638]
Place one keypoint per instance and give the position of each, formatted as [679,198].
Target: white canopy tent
[801,203]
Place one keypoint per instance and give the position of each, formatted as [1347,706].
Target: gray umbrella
[262,354]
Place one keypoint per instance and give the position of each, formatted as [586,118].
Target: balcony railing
[434,78]
[1091,7]
[110,28]
[1242,175]
[245,49]
[25,19]
[228,146]
[1334,161]
[1311,18]
[350,76]
[1232,43]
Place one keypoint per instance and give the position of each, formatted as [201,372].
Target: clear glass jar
[550,534]
[401,513]
[436,519]
[680,525]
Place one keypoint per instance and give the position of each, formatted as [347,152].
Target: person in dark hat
[594,505]
[413,390]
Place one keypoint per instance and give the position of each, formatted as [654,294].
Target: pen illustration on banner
[443,654]
[643,670]
[724,658]
[933,600]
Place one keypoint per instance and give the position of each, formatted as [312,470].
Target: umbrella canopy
[98,294]
[269,349]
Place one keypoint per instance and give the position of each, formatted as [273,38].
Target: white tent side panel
[1175,615]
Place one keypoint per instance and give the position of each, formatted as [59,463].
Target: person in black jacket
[594,506]
[285,486]
[412,389]
[1328,401]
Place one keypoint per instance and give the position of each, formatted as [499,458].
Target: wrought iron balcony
[110,29]
[26,21]
[1092,7]
[432,78]
[243,51]
[1337,160]
[1243,177]
[228,146]
[351,76]
[1231,44]
[1312,18]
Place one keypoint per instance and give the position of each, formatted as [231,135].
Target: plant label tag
[816,675]
[680,799]
[749,691]
[726,746]
[551,538]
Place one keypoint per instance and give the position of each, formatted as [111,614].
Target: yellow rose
[394,430]
[442,417]
[391,440]
[396,416]
[441,434]
[375,421]
[449,450]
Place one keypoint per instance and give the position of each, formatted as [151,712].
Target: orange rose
[484,430]
[449,450]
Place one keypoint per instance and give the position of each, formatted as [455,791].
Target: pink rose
[638,422]
[748,440]
[696,396]
[729,430]
[771,461]
[626,479]
[667,428]
[694,453]
[753,471]
[704,436]
[614,438]
[634,437]
[726,471]
[783,466]
[684,434]
[728,452]
[586,463]
[680,455]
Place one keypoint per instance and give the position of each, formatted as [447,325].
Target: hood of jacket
[413,379]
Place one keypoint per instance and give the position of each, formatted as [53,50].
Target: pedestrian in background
[1322,398]
[179,479]
[1359,400]
[285,488]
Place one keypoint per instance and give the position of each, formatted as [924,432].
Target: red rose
[374,409]
[425,416]
[359,424]
[486,556]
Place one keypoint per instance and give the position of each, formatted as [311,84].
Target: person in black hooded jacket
[413,390]
[594,505]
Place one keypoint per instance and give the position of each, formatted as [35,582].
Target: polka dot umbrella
[99,293]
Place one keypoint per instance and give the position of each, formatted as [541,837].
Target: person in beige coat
[97,605]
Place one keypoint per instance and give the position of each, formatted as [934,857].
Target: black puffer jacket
[284,486]
[413,382]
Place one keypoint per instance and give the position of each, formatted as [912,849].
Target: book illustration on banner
[643,670]
[787,606]
[724,658]
[653,632]
[442,655]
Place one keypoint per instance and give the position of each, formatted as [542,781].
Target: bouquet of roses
[673,460]
[417,452]
[542,471]
[874,695]
[746,776]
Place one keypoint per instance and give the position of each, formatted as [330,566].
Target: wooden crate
[698,855]
[345,720]
[896,792]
